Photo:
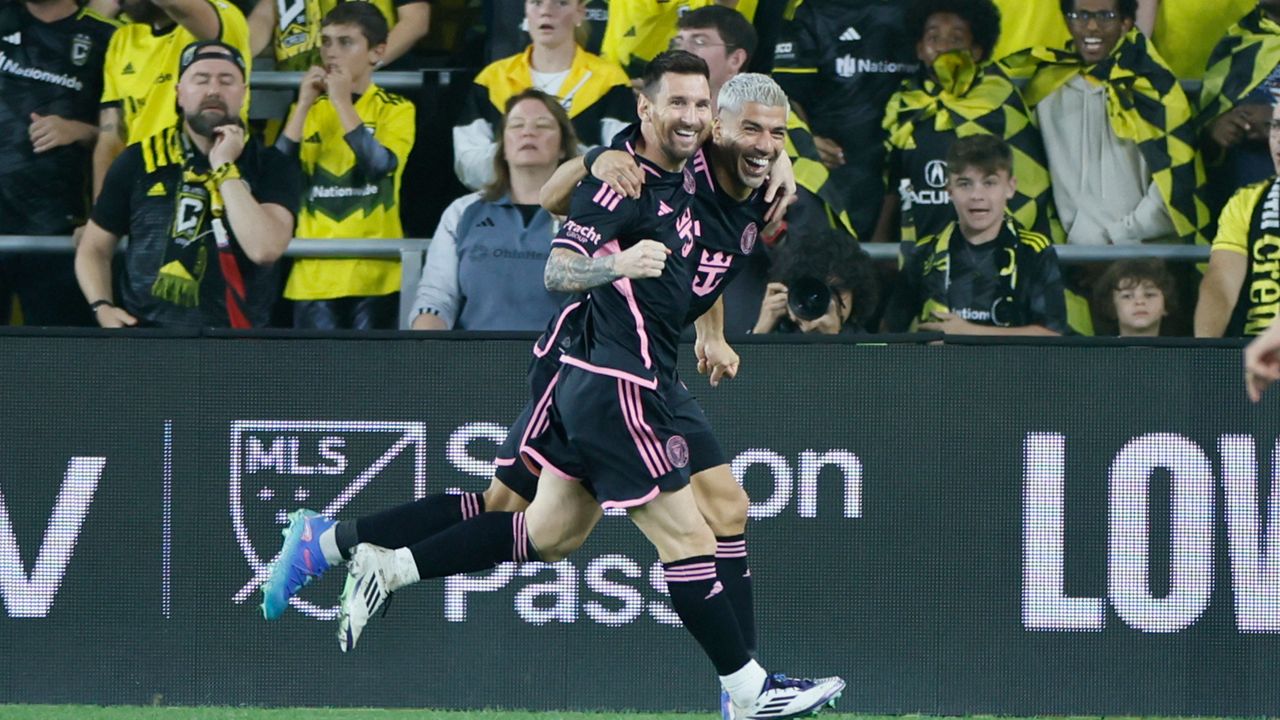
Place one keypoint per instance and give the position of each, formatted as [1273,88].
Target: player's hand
[948,323]
[338,82]
[772,309]
[645,259]
[110,316]
[829,152]
[228,143]
[717,358]
[619,170]
[781,189]
[1262,362]
[1229,128]
[50,131]
[312,86]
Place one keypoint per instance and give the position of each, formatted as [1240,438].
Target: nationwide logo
[848,66]
[328,192]
[849,35]
[9,67]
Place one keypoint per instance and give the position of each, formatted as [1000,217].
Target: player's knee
[728,517]
[500,498]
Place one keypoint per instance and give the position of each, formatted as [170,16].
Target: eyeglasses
[697,41]
[1082,17]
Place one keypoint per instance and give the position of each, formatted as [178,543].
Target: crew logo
[279,466]
[81,44]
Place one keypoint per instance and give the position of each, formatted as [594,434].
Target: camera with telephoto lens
[808,298]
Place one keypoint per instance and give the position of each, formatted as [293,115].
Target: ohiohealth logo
[277,466]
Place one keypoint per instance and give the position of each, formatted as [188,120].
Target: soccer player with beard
[207,210]
[635,321]
[138,94]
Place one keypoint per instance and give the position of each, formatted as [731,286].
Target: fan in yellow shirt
[139,91]
[352,138]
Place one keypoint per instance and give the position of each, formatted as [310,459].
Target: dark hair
[833,255]
[363,15]
[1128,9]
[678,62]
[987,153]
[736,31]
[501,184]
[982,16]
[1124,274]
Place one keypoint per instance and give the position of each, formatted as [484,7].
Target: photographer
[823,282]
[207,211]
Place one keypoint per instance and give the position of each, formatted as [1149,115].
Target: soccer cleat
[372,575]
[300,561]
[784,697]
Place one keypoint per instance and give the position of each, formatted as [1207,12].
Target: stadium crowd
[976,134]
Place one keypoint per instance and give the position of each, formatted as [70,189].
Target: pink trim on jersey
[539,416]
[642,445]
[555,332]
[572,245]
[611,504]
[700,165]
[598,370]
[504,462]
[606,198]
[646,439]
[542,462]
[624,286]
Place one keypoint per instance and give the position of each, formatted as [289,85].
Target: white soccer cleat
[784,697]
[372,575]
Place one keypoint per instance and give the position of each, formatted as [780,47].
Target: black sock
[404,525]
[699,599]
[477,544]
[731,568]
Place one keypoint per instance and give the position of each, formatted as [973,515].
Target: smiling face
[552,22]
[1139,306]
[531,137]
[980,198]
[749,141]
[1096,26]
[678,115]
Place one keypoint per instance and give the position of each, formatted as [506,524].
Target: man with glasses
[1117,129]
[1240,294]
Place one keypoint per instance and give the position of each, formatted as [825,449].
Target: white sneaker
[372,575]
[784,697]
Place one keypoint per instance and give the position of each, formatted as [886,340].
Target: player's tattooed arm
[571,272]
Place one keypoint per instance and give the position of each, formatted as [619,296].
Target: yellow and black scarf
[966,99]
[1145,105]
[197,212]
[1259,299]
[1241,61]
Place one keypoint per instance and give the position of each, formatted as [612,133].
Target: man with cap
[208,210]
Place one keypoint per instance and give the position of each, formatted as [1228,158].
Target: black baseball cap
[210,50]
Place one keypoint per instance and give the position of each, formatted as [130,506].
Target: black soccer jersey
[47,69]
[632,327]
[149,196]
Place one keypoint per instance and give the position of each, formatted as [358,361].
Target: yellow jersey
[1187,30]
[1030,23]
[341,201]
[296,36]
[640,29]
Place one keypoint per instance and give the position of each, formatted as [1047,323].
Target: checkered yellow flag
[1241,61]
[965,100]
[1146,105]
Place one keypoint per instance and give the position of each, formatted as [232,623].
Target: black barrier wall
[983,529]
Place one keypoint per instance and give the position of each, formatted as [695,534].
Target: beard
[203,123]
